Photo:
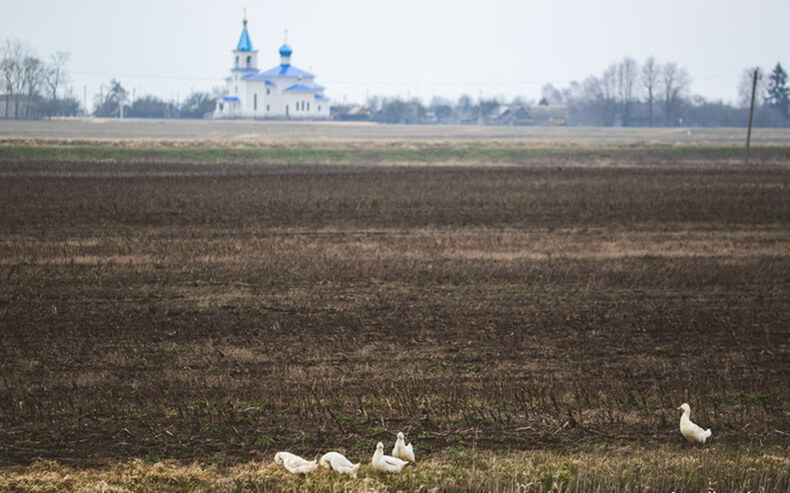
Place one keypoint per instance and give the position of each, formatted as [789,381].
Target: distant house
[353,113]
[283,91]
[549,115]
[20,106]
[509,115]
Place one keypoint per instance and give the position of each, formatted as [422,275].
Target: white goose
[386,463]
[692,432]
[338,463]
[295,464]
[401,450]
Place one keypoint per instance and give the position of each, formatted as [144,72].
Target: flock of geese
[403,454]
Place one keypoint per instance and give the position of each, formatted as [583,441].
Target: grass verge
[409,153]
[667,468]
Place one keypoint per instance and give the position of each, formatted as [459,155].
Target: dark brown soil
[226,313]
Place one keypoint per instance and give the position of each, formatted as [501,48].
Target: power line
[425,81]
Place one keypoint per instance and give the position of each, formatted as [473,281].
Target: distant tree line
[657,94]
[116,103]
[625,94]
[32,87]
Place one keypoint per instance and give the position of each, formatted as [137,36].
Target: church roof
[300,88]
[233,99]
[244,41]
[286,71]
[259,76]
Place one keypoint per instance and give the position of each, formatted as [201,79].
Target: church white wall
[281,104]
[240,59]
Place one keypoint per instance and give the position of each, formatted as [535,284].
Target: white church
[282,92]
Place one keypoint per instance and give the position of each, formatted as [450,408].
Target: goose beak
[680,408]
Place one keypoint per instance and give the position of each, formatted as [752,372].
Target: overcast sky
[402,48]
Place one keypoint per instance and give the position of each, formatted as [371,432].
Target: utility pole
[751,116]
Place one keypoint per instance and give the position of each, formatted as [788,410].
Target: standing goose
[295,464]
[386,463]
[401,450]
[693,433]
[338,462]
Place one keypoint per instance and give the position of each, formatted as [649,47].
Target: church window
[249,60]
[254,102]
[267,90]
[319,107]
[308,106]
[237,60]
[267,107]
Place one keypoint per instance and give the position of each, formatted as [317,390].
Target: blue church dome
[285,50]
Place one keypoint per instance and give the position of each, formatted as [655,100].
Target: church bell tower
[244,57]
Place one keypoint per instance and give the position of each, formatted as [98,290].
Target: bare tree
[745,87]
[674,84]
[465,103]
[627,75]
[466,110]
[373,103]
[596,99]
[650,73]
[552,95]
[7,69]
[32,78]
[13,55]
[56,75]
[442,109]
[608,94]
[487,108]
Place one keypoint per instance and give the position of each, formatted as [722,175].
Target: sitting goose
[386,463]
[693,433]
[338,462]
[295,464]
[401,450]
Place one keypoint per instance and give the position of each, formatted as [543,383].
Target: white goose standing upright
[385,463]
[692,432]
[403,451]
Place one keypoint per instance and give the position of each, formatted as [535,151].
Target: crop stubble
[232,311]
